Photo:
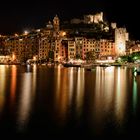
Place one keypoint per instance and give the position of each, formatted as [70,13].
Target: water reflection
[28,68]
[80,89]
[120,95]
[71,85]
[28,90]
[58,76]
[2,85]
[104,93]
[34,79]
[62,94]
[108,91]
[67,92]
[77,98]
[13,83]
[110,95]
[134,94]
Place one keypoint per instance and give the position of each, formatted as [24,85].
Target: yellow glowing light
[26,32]
[13,57]
[16,35]
[64,33]
[13,83]
[34,58]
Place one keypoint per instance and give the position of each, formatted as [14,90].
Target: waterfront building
[61,50]
[71,49]
[22,47]
[78,47]
[5,59]
[121,36]
[132,47]
[62,44]
[89,45]
[107,48]
[79,42]
[44,46]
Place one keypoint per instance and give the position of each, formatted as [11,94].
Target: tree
[78,56]
[51,55]
[91,56]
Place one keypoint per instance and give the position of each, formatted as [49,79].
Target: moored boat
[105,65]
[71,65]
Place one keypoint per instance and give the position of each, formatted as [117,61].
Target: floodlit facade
[107,48]
[71,49]
[89,19]
[121,36]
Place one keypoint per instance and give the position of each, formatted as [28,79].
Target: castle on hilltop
[89,19]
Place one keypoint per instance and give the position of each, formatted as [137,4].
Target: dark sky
[27,14]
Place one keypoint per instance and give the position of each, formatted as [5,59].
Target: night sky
[18,16]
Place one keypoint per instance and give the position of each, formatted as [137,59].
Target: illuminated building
[79,47]
[67,42]
[23,47]
[56,23]
[75,48]
[88,19]
[107,48]
[43,48]
[89,45]
[121,36]
[59,50]
[113,25]
[133,49]
[5,58]
[71,49]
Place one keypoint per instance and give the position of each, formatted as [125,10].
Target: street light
[64,33]
[13,57]
[16,35]
[26,32]
[119,59]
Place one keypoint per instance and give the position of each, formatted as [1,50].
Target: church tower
[56,24]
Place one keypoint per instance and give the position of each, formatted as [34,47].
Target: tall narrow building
[56,23]
[121,36]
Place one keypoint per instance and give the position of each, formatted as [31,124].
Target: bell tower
[56,24]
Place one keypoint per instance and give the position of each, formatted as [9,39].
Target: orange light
[16,35]
[64,33]
[13,57]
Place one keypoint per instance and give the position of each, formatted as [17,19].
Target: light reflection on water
[69,90]
[27,95]
[93,98]
[71,84]
[104,89]
[61,93]
[13,84]
[2,86]
[80,90]
[121,97]
[135,96]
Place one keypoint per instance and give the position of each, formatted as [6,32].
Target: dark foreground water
[38,101]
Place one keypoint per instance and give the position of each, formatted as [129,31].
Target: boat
[71,65]
[104,65]
[117,65]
